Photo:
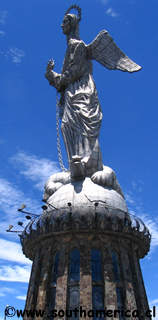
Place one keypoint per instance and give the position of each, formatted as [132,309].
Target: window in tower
[73,283]
[120,300]
[74,268]
[53,281]
[115,262]
[117,278]
[97,282]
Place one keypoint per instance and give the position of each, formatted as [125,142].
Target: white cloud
[12,251]
[129,199]
[3,16]
[136,207]
[36,169]
[137,185]
[2,294]
[11,199]
[10,196]
[4,291]
[15,273]
[153,302]
[21,297]
[153,228]
[16,55]
[111,12]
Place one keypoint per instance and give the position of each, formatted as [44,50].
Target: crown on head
[74,6]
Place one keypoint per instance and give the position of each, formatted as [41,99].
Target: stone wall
[130,278]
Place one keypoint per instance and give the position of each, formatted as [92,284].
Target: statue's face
[66,25]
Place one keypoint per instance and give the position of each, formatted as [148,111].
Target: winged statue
[79,105]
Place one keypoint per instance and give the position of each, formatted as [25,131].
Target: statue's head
[70,23]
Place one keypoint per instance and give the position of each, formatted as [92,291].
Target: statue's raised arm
[79,105]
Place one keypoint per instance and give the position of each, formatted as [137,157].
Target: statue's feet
[107,178]
[56,181]
[77,168]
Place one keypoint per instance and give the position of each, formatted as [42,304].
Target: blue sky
[30,34]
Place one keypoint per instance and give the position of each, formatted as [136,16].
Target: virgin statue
[80,109]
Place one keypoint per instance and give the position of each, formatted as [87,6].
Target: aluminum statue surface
[79,105]
[85,221]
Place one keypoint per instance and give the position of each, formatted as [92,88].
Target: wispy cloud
[129,199]
[2,294]
[10,200]
[135,206]
[4,291]
[21,297]
[12,251]
[36,169]
[11,197]
[111,12]
[16,55]
[137,185]
[15,273]
[153,302]
[3,16]
[153,228]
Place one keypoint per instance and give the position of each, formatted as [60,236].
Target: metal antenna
[26,212]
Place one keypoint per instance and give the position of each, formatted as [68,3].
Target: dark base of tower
[90,272]
[85,249]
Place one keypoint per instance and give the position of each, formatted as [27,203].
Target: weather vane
[79,106]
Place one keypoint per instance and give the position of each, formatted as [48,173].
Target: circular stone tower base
[85,249]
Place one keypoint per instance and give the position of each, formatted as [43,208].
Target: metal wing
[104,50]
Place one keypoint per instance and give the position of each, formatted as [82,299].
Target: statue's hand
[52,76]
[50,65]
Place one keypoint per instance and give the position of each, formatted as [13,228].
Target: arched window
[97,282]
[73,282]
[53,282]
